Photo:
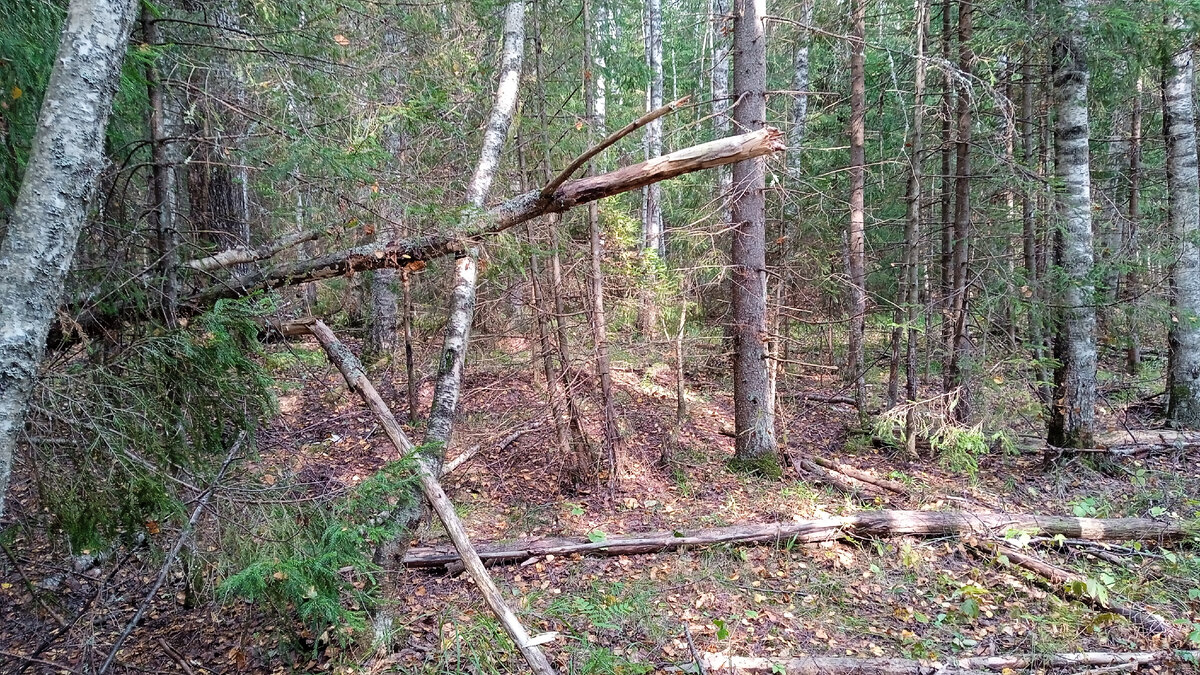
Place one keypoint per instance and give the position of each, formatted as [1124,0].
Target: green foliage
[170,403]
[316,565]
[959,448]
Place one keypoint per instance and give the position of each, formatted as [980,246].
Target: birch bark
[1183,213]
[1072,414]
[52,203]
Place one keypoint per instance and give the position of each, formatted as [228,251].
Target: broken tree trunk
[1066,584]
[246,254]
[356,379]
[410,252]
[864,492]
[864,476]
[865,524]
[718,663]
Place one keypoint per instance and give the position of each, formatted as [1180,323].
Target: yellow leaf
[6,586]
[279,576]
[341,40]
[16,92]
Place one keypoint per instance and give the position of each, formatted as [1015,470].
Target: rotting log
[865,524]
[356,379]
[1059,581]
[721,663]
[865,492]
[864,476]
[414,252]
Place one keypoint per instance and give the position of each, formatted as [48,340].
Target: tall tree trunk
[958,371]
[1072,415]
[1029,233]
[580,466]
[462,297]
[162,181]
[410,366]
[855,235]
[653,245]
[52,203]
[946,224]
[595,100]
[800,68]
[754,417]
[912,229]
[1132,285]
[1183,206]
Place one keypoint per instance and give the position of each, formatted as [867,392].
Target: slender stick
[166,566]
[356,379]
[615,136]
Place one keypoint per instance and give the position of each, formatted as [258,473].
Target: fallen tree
[1071,586]
[865,524]
[865,492]
[814,665]
[413,251]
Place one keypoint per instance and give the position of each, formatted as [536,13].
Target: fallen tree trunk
[1129,443]
[356,379]
[862,491]
[991,664]
[865,524]
[864,476]
[415,251]
[247,254]
[1069,585]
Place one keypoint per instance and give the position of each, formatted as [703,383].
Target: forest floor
[902,597]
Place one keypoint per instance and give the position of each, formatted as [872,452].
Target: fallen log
[470,453]
[865,524]
[356,380]
[864,476]
[1128,443]
[864,492]
[406,252]
[991,664]
[1065,584]
[248,254]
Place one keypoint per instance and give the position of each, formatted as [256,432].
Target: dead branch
[356,379]
[864,476]
[470,453]
[864,492]
[172,554]
[865,524]
[565,174]
[247,254]
[1060,579]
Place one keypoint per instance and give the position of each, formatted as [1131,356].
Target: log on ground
[867,524]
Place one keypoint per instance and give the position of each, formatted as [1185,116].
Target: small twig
[695,654]
[43,662]
[33,589]
[617,135]
[176,656]
[166,566]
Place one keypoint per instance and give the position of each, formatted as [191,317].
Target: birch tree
[1183,213]
[1072,414]
[52,203]
[856,361]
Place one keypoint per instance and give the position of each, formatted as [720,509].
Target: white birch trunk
[720,99]
[652,225]
[52,203]
[1183,207]
[1073,410]
[800,87]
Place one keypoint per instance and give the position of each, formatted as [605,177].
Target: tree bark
[1072,414]
[1131,245]
[912,230]
[1183,213]
[162,182]
[958,374]
[1029,233]
[428,468]
[595,100]
[52,203]
[721,14]
[855,235]
[753,411]
[863,524]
